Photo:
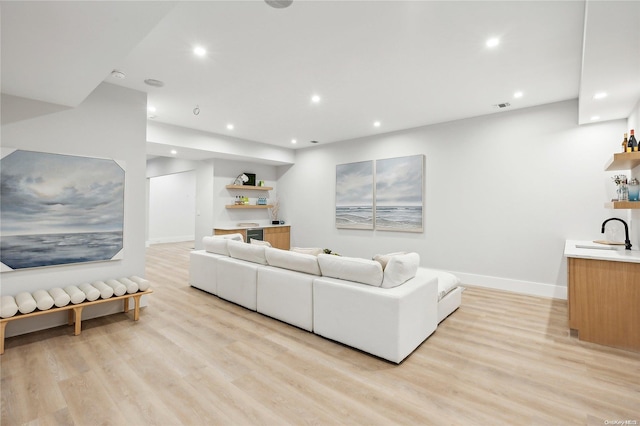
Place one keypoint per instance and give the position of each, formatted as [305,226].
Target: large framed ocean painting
[354,195]
[59,209]
[399,194]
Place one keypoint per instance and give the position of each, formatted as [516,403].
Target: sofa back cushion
[215,245]
[249,252]
[351,269]
[286,259]
[400,269]
[308,250]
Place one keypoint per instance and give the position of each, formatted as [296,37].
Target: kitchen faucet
[627,242]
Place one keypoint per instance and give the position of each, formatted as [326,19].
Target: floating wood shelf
[623,205]
[250,187]
[248,206]
[623,161]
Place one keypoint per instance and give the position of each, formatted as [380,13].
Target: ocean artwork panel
[59,209]
[399,194]
[354,195]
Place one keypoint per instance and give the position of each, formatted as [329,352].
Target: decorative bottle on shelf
[632,145]
[624,143]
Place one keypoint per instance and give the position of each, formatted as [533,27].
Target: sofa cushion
[384,258]
[260,242]
[400,269]
[236,237]
[314,251]
[306,263]
[216,245]
[351,269]
[249,252]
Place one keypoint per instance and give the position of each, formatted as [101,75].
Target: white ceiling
[404,63]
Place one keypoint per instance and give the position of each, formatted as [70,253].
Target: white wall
[204,202]
[503,192]
[110,123]
[172,207]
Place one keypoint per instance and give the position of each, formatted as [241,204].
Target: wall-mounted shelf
[623,205]
[623,161]
[250,187]
[248,206]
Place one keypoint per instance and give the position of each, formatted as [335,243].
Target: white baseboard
[177,239]
[516,286]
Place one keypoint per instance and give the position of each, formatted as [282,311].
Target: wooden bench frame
[75,312]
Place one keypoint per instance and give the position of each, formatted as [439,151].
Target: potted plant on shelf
[273,212]
[622,189]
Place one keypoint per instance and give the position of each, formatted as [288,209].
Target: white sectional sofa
[340,298]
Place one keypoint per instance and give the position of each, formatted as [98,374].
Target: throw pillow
[311,250]
[400,269]
[259,242]
[384,258]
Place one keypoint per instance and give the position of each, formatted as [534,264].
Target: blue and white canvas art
[59,209]
[399,189]
[354,195]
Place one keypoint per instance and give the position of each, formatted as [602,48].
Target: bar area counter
[604,293]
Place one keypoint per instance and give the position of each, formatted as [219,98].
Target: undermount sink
[599,246]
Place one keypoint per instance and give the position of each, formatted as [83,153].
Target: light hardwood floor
[195,359]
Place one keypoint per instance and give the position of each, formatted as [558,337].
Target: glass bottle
[632,145]
[624,143]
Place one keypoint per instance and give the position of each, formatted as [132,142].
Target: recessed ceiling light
[493,42]
[595,117]
[279,4]
[151,108]
[517,95]
[118,74]
[174,152]
[199,51]
[294,141]
[376,124]
[153,82]
[229,126]
[600,95]
[315,99]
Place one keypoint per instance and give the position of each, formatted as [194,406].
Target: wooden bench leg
[78,319]
[136,309]
[70,317]
[126,305]
[2,327]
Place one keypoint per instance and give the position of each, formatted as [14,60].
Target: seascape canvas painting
[59,209]
[354,195]
[399,189]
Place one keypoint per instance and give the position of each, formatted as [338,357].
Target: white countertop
[232,227]
[596,251]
